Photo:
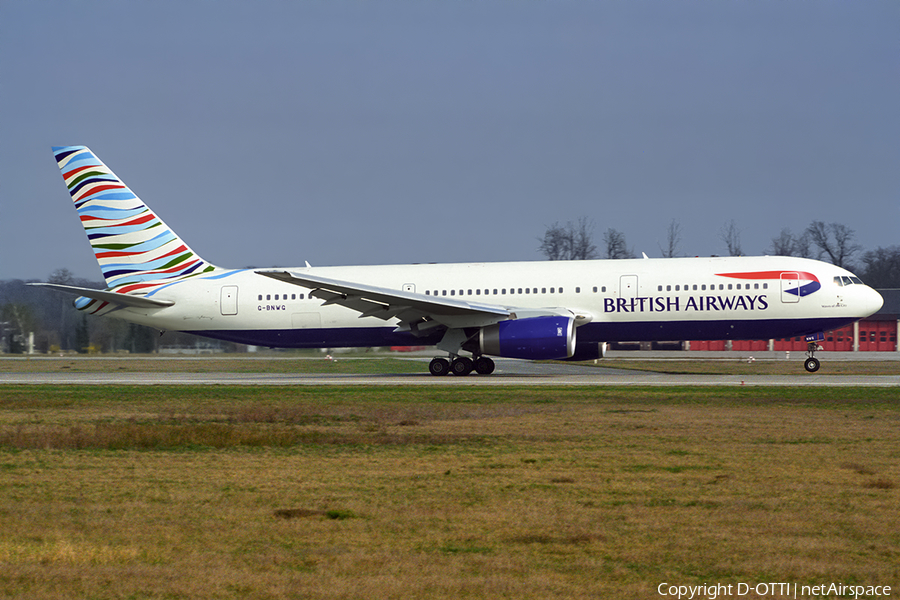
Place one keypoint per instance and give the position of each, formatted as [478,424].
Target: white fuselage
[624,300]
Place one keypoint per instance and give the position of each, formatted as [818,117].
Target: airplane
[538,310]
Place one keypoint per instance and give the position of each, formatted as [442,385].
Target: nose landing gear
[811,364]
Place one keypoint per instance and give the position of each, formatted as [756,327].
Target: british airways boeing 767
[528,310]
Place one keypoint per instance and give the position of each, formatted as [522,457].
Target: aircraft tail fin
[136,250]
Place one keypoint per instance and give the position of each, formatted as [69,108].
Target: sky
[270,133]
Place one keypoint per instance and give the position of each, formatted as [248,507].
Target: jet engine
[535,338]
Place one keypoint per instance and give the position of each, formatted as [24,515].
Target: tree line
[831,242]
[55,325]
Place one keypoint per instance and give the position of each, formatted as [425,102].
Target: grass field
[226,492]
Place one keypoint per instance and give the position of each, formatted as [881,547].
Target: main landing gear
[812,363]
[461,366]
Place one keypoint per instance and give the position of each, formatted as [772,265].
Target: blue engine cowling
[536,338]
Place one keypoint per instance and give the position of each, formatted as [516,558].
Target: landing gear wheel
[812,363]
[484,365]
[461,366]
[439,366]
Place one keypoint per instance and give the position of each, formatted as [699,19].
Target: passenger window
[603,288]
[526,290]
[668,288]
[703,287]
[755,286]
[552,290]
[577,290]
[659,288]
[534,290]
[520,290]
[595,289]
[260,297]
[452,292]
[695,286]
[677,288]
[495,291]
[729,286]
[765,286]
[478,292]
[560,290]
[268,296]
[543,290]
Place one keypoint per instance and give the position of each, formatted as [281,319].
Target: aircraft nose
[874,301]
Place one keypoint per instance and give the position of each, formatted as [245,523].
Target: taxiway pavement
[508,372]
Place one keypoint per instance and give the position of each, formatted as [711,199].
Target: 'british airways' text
[679,304]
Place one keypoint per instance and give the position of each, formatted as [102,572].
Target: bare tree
[673,238]
[583,247]
[787,244]
[555,244]
[572,242]
[62,276]
[802,245]
[835,241]
[783,245]
[882,267]
[616,247]
[731,235]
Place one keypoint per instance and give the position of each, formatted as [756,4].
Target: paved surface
[508,372]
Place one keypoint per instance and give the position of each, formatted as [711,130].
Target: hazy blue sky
[269,133]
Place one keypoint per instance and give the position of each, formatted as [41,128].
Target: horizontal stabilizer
[105,296]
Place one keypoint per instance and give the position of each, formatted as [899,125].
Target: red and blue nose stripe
[808,283]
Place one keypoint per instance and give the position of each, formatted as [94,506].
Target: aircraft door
[790,287]
[228,300]
[628,286]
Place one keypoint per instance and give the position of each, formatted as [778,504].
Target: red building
[877,333]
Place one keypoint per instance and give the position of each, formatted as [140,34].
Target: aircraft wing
[106,296]
[416,312]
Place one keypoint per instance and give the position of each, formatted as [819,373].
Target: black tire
[462,366]
[811,365]
[484,365]
[439,366]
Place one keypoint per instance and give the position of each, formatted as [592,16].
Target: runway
[508,373]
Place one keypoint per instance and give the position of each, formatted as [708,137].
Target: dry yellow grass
[503,493]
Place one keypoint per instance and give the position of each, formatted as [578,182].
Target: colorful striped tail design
[135,249]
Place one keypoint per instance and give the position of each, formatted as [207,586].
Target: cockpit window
[843,280]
